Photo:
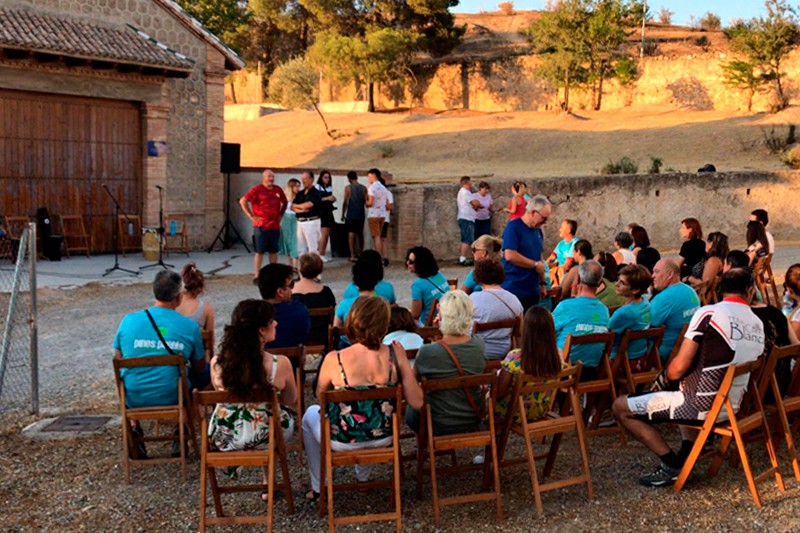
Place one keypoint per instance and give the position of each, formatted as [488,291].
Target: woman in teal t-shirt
[631,284]
[429,286]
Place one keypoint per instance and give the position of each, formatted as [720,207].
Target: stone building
[126,94]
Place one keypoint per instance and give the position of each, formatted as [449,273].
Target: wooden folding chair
[601,391]
[735,428]
[783,406]
[208,343]
[211,459]
[513,324]
[677,346]
[297,355]
[765,281]
[179,412]
[127,241]
[430,334]
[453,283]
[482,436]
[331,458]
[320,345]
[432,313]
[621,367]
[74,233]
[570,419]
[181,234]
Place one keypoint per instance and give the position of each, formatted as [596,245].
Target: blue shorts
[266,240]
[467,228]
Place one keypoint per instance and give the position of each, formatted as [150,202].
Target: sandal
[311,496]
[265,495]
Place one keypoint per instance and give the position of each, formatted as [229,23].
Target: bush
[386,150]
[625,165]
[665,16]
[650,47]
[506,7]
[775,141]
[710,22]
[655,165]
[702,42]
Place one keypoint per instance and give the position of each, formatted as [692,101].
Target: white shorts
[656,406]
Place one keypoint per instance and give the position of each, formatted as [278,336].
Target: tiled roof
[34,31]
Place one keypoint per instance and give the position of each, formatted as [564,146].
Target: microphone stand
[160,261]
[115,236]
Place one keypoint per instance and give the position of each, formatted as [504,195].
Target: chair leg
[496,472]
[551,455]
[126,449]
[203,494]
[432,459]
[688,466]
[182,443]
[329,474]
[537,496]
[773,457]
[719,456]
[751,482]
[420,463]
[212,477]
[287,481]
[271,479]
[397,475]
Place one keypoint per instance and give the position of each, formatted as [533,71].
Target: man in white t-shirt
[466,220]
[385,228]
[377,200]
[719,335]
[762,216]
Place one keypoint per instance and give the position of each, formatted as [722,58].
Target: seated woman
[366,279]
[633,282]
[494,303]
[582,252]
[403,330]
[623,242]
[430,284]
[313,294]
[372,260]
[484,247]
[792,284]
[451,410]
[191,305]
[694,249]
[244,368]
[367,364]
[538,356]
[757,243]
[710,267]
[606,291]
[646,255]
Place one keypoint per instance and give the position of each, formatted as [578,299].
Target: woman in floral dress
[245,369]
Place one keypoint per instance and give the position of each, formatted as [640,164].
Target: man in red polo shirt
[267,204]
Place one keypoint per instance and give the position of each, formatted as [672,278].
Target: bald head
[268,178]
[665,273]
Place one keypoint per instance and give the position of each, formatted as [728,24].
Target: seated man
[718,335]
[562,258]
[582,315]
[762,216]
[275,282]
[672,306]
[138,336]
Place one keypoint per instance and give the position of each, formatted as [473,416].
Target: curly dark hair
[425,264]
[240,356]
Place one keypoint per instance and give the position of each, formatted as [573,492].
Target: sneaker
[325,258]
[386,262]
[662,476]
[466,262]
[478,460]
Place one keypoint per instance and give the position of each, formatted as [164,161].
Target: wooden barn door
[58,152]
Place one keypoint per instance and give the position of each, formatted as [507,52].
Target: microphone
[159,187]
[105,186]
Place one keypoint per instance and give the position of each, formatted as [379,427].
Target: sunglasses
[475,250]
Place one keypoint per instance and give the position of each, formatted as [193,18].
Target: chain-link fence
[19,381]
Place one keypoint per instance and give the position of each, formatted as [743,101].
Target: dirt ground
[78,484]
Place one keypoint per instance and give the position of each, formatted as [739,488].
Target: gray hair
[590,273]
[455,313]
[167,285]
[537,203]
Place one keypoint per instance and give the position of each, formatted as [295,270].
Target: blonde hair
[287,190]
[493,245]
[455,313]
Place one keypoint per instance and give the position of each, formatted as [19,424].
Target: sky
[727,10]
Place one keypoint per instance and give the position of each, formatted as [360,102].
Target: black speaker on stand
[230,163]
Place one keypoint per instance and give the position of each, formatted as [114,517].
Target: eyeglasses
[544,218]
[476,250]
[409,261]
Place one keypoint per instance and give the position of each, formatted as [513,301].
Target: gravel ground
[79,484]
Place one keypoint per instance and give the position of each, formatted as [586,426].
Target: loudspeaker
[230,162]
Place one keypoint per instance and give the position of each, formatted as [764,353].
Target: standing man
[308,206]
[673,305]
[522,252]
[267,203]
[387,220]
[718,335]
[377,200]
[466,220]
[354,214]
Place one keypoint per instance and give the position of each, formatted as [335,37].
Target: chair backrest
[453,283]
[15,225]
[212,398]
[607,339]
[208,342]
[432,313]
[654,336]
[430,333]
[772,361]
[317,313]
[296,354]
[353,395]
[411,353]
[514,324]
[177,360]
[468,383]
[677,346]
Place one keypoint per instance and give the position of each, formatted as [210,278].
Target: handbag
[470,399]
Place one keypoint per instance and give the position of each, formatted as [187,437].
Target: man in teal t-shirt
[673,305]
[136,337]
[583,315]
[563,256]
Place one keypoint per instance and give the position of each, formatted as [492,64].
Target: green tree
[295,85]
[766,41]
[747,77]
[605,36]
[223,18]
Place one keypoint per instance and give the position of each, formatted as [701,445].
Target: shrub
[506,7]
[650,47]
[665,16]
[775,141]
[710,22]
[625,165]
[655,165]
[702,42]
[386,150]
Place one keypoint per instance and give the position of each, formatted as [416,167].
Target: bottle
[173,227]
[788,304]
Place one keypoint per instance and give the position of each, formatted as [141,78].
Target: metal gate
[19,370]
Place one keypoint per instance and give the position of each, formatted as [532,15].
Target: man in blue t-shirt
[275,283]
[522,253]
[673,305]
[137,337]
[583,315]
